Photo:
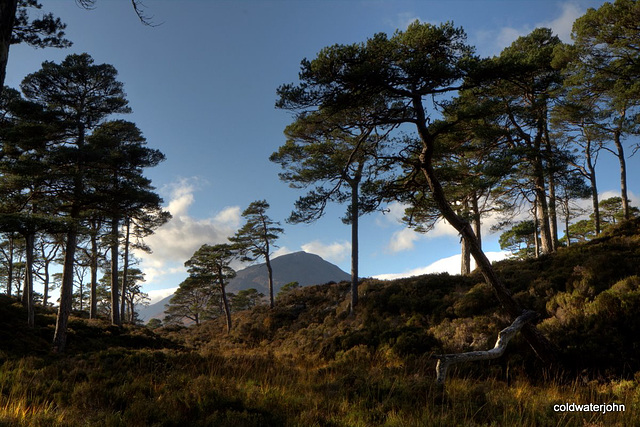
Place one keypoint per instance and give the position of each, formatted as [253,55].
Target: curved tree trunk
[541,346]
[505,335]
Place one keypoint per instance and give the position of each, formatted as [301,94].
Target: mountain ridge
[305,268]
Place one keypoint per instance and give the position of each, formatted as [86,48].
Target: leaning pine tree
[407,70]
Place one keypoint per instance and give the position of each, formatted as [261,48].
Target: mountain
[302,267]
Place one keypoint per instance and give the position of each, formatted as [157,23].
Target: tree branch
[505,335]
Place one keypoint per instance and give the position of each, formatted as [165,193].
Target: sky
[202,86]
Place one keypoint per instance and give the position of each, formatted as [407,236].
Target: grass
[150,387]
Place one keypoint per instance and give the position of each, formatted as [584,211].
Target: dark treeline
[73,191]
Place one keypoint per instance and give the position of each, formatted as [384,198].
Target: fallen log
[505,335]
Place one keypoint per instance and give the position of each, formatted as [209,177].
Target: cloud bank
[561,26]
[449,265]
[178,239]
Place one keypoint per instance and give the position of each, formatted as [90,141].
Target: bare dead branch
[505,335]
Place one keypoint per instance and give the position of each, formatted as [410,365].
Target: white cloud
[392,215]
[281,251]
[404,19]
[449,265]
[403,240]
[336,252]
[175,242]
[158,295]
[563,24]
[508,35]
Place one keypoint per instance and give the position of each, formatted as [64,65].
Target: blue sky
[202,88]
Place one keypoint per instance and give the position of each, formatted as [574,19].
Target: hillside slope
[588,296]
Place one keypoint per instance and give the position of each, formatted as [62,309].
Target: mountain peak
[302,267]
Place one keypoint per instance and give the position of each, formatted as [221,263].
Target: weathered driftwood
[505,335]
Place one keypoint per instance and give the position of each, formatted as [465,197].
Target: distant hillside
[302,267]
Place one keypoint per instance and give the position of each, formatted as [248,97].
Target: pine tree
[82,95]
[339,156]
[210,265]
[255,239]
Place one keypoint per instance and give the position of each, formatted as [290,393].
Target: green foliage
[611,213]
[154,323]
[195,299]
[256,238]
[245,299]
[520,239]
[287,288]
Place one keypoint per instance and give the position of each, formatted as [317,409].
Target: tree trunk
[465,254]
[115,301]
[541,346]
[355,213]
[505,335]
[623,173]
[125,268]
[7,18]
[566,220]
[270,273]
[543,211]
[93,293]
[45,296]
[551,168]
[536,227]
[553,217]
[66,292]
[10,265]
[28,277]
[465,264]
[594,187]
[225,300]
[477,224]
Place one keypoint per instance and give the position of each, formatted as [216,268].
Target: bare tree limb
[505,335]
